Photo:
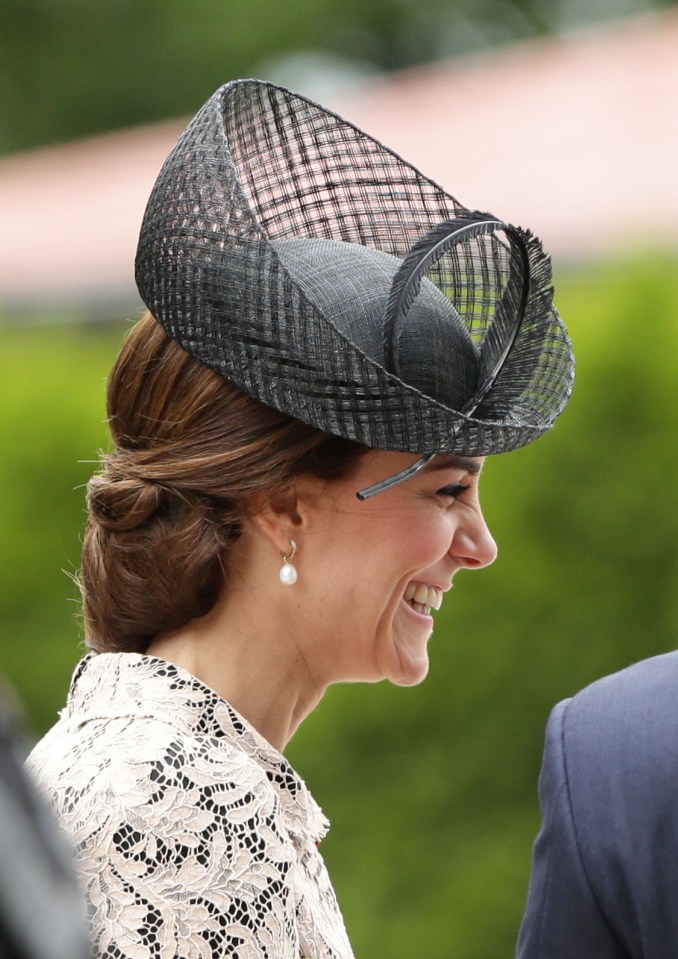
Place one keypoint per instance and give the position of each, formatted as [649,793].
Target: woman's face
[371,572]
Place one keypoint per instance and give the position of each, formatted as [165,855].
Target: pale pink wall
[575,137]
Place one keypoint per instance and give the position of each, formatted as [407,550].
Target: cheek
[367,559]
[428,540]
[414,547]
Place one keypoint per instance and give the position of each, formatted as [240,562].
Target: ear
[282,515]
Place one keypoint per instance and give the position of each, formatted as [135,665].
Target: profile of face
[371,572]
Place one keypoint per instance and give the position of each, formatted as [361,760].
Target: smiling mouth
[423,598]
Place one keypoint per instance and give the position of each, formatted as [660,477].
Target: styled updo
[190,449]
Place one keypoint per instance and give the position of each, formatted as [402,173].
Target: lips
[423,598]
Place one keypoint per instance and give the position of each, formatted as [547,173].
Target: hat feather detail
[513,348]
[416,264]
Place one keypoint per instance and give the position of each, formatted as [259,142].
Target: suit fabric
[604,882]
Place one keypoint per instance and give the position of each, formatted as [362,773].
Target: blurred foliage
[432,790]
[52,423]
[72,67]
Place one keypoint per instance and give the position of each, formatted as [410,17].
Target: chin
[411,670]
[410,680]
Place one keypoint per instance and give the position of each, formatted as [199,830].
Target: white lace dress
[194,837]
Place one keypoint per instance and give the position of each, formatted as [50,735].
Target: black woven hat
[321,273]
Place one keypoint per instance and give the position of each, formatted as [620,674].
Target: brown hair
[190,449]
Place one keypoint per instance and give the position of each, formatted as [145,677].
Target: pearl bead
[288,574]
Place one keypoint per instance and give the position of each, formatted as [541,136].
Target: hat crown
[351,285]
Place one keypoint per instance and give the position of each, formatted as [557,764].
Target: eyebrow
[450,461]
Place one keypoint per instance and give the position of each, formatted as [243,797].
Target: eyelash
[454,490]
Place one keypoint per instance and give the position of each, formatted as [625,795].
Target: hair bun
[122,504]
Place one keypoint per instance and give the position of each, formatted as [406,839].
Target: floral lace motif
[194,837]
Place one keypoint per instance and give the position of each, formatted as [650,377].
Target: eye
[454,490]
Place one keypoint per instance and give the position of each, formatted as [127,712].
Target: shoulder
[659,673]
[614,744]
[179,839]
[632,713]
[141,771]
[610,785]
[136,729]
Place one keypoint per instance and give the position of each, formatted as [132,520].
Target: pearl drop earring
[288,573]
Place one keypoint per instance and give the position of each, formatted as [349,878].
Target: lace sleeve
[184,858]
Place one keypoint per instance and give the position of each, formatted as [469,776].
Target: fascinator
[314,268]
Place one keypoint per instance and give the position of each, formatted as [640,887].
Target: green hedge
[432,791]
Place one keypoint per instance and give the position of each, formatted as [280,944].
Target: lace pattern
[194,837]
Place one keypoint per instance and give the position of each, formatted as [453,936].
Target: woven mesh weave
[259,165]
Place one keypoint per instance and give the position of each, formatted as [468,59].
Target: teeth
[435,597]
[423,595]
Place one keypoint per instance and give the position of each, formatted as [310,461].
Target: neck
[253,659]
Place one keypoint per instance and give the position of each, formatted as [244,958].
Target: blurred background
[556,114]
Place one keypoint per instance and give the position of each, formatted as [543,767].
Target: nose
[473,546]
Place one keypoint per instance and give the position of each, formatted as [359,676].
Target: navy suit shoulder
[605,868]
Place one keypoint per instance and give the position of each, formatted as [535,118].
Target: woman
[333,346]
